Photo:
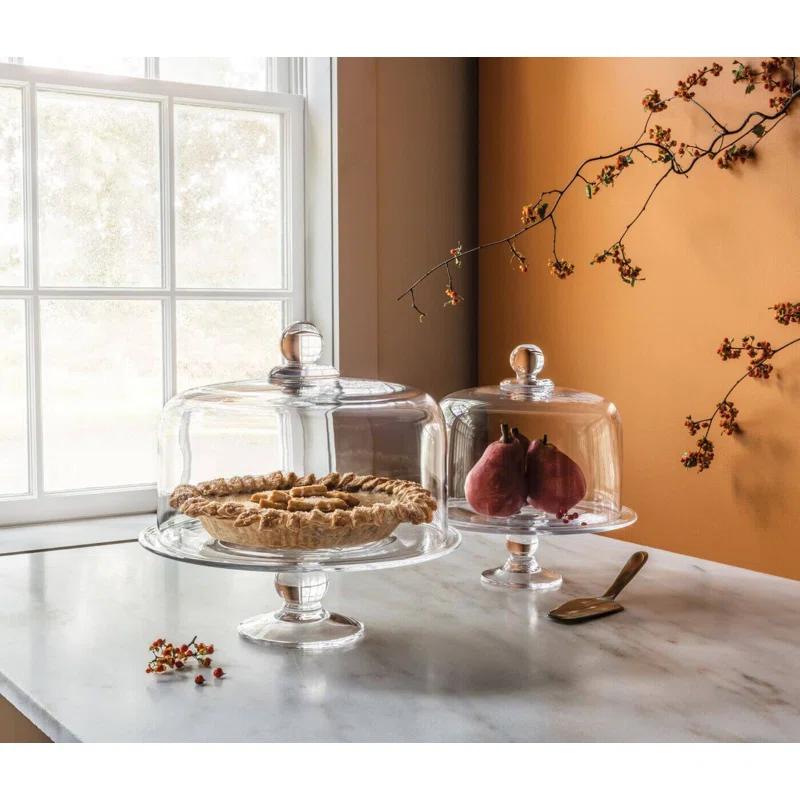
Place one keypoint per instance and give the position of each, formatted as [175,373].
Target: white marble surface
[703,652]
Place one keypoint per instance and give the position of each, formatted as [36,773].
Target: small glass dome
[527,457]
[303,460]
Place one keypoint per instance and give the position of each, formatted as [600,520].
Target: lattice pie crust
[283,511]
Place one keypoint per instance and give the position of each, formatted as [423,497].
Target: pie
[283,511]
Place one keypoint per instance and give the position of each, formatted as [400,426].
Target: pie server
[586,608]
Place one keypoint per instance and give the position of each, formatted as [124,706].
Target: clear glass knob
[301,343]
[301,347]
[527,361]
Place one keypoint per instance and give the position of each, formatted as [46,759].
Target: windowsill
[72,533]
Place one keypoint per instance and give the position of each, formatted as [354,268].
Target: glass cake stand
[522,530]
[301,576]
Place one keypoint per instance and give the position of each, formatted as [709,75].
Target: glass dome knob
[527,360]
[301,343]
[301,347]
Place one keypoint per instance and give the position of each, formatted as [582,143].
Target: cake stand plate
[301,579]
[521,569]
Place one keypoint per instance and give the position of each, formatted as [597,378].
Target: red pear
[555,482]
[521,438]
[495,486]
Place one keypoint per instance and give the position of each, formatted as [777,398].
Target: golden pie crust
[282,511]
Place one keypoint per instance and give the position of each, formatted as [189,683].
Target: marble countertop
[702,652]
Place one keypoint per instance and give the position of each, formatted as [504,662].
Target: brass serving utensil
[586,608]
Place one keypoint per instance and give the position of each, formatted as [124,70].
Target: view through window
[148,243]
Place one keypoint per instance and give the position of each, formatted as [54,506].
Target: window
[153,237]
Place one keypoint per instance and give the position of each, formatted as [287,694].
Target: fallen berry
[199,679]
[179,664]
[218,673]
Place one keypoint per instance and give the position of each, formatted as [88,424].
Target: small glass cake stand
[301,576]
[522,530]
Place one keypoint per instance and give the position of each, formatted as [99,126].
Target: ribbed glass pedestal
[522,570]
[302,623]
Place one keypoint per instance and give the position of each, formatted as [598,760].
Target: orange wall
[717,250]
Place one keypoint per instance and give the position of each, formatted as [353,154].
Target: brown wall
[407,176]
[718,249]
[14,727]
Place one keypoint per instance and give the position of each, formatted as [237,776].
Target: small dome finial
[301,343]
[527,360]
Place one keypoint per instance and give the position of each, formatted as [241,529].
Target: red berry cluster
[727,417]
[560,268]
[455,253]
[652,101]
[663,138]
[727,412]
[734,153]
[533,213]
[695,425]
[776,76]
[167,657]
[760,367]
[759,352]
[453,297]
[700,458]
[686,88]
[565,516]
[628,271]
[786,312]
[608,174]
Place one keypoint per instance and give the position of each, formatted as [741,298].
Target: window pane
[122,65]
[224,340]
[101,391]
[99,201]
[248,72]
[12,226]
[227,198]
[13,420]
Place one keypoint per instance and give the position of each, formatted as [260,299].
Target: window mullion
[281,76]
[272,74]
[34,345]
[169,356]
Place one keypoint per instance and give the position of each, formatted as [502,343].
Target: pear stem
[544,439]
[505,434]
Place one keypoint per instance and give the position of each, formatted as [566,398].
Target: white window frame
[303,94]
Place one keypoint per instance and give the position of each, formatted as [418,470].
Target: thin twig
[662,152]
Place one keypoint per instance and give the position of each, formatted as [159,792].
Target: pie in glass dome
[284,511]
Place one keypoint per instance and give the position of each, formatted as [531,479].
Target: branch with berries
[167,657]
[730,146]
[760,354]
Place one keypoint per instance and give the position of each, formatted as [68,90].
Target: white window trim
[305,99]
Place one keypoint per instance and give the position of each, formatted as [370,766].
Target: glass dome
[301,472]
[302,426]
[528,457]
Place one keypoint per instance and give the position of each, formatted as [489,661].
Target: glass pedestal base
[302,622]
[522,570]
